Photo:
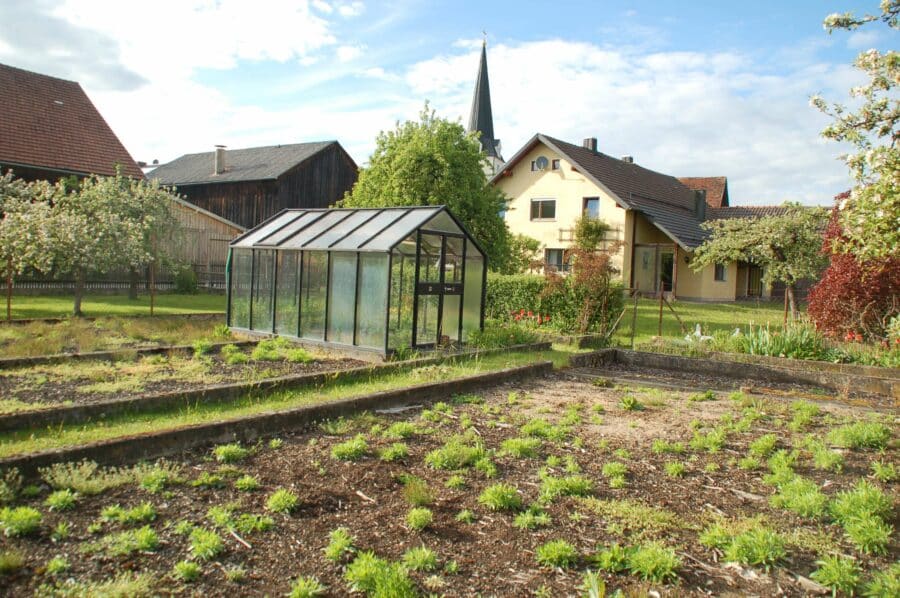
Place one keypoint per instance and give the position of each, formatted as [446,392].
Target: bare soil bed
[569,432]
[80,382]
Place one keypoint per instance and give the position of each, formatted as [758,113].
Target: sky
[689,88]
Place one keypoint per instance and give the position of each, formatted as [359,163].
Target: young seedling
[186,571]
[19,521]
[61,500]
[532,518]
[307,587]
[557,553]
[420,559]
[282,501]
[501,497]
[352,450]
[654,562]
[340,545]
[206,544]
[419,518]
[840,574]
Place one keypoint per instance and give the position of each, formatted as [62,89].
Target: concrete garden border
[198,315]
[222,393]
[839,379]
[153,445]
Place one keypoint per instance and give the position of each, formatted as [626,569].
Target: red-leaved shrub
[854,299]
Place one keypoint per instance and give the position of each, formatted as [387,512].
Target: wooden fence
[209,277]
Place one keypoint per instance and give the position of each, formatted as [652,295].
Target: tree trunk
[152,286]
[792,302]
[9,285]
[79,293]
[133,283]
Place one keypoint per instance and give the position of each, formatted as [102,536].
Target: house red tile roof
[744,212]
[716,188]
[50,123]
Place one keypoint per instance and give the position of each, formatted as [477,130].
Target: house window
[591,207]
[720,272]
[555,164]
[554,258]
[543,209]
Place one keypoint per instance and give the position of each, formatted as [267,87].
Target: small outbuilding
[380,280]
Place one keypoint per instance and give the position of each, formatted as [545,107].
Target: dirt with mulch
[83,382]
[494,558]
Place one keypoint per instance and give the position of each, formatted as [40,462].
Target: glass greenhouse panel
[450,321]
[372,304]
[241,263]
[263,287]
[266,229]
[287,289]
[444,223]
[341,298]
[403,272]
[430,258]
[313,294]
[427,320]
[472,295]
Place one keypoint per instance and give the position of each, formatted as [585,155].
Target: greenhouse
[381,280]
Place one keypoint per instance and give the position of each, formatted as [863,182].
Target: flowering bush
[529,317]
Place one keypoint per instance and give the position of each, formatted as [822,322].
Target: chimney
[700,204]
[219,165]
[590,143]
[628,159]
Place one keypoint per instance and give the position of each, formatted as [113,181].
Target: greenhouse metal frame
[375,279]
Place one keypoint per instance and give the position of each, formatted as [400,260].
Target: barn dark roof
[250,164]
[50,123]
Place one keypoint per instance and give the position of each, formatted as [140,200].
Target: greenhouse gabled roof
[364,229]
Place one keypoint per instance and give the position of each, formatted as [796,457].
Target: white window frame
[541,200]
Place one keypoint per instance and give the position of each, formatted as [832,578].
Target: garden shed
[381,280]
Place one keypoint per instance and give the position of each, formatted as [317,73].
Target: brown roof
[716,188]
[663,199]
[50,123]
[745,212]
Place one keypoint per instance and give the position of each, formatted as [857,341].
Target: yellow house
[656,217]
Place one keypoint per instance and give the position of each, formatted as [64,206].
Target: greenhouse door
[437,310]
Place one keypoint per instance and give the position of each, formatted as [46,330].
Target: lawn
[549,487]
[710,316]
[55,306]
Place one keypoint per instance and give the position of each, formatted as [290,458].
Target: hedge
[507,293]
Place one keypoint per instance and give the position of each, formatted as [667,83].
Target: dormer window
[555,164]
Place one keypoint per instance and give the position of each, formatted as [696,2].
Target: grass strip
[28,441]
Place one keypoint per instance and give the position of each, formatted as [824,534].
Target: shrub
[757,547]
[577,485]
[377,577]
[859,435]
[61,500]
[420,559]
[764,445]
[521,447]
[306,587]
[351,450]
[507,293]
[419,518]
[801,496]
[557,553]
[19,521]
[400,431]
[394,452]
[206,544]
[11,561]
[246,483]
[613,558]
[186,282]
[456,453]
[675,469]
[282,501]
[186,571]
[531,518]
[340,544]
[854,296]
[230,453]
[838,573]
[501,497]
[653,562]
[869,533]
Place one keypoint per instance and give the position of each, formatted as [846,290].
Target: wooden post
[784,323]
[152,285]
[634,319]
[661,299]
[9,286]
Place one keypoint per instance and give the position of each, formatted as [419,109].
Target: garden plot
[106,334]
[91,381]
[544,488]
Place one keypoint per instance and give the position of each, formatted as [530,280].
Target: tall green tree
[786,246]
[433,161]
[870,215]
[24,232]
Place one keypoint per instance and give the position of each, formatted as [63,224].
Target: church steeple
[481,118]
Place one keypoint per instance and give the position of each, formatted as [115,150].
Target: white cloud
[682,113]
[351,9]
[322,6]
[863,39]
[348,53]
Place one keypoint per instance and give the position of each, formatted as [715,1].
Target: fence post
[634,319]
[659,328]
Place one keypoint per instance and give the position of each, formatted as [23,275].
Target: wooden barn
[248,186]
[204,242]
